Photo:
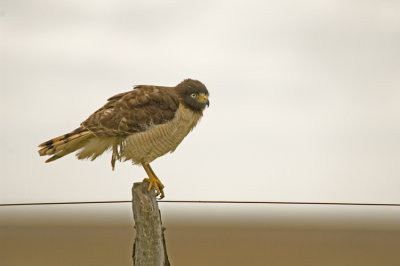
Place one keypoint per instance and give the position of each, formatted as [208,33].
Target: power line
[207,202]
[63,203]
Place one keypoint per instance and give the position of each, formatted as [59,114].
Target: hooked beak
[204,99]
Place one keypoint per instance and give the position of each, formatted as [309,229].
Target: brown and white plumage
[139,125]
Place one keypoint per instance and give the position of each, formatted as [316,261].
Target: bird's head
[194,94]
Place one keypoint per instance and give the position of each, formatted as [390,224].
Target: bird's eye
[193,95]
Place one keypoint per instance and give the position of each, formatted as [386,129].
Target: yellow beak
[203,98]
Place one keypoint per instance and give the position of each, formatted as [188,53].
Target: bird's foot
[156,183]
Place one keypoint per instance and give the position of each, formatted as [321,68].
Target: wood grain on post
[149,247]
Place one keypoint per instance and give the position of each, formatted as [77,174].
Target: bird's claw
[158,186]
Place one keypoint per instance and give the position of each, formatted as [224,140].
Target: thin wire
[207,202]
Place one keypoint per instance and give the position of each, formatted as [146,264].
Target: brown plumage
[139,125]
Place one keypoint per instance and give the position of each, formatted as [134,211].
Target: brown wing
[134,111]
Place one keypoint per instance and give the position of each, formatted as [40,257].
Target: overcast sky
[305,96]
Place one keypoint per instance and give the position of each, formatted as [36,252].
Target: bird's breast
[157,140]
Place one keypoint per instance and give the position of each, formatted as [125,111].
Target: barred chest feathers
[158,140]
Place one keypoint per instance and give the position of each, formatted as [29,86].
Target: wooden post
[149,247]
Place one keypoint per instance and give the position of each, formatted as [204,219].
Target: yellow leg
[153,180]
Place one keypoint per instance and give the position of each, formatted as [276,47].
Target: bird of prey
[139,125]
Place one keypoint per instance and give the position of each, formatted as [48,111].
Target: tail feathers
[95,147]
[65,144]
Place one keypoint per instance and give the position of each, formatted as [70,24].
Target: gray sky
[305,96]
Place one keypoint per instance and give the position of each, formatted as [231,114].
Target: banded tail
[65,144]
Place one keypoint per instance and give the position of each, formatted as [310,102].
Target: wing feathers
[134,111]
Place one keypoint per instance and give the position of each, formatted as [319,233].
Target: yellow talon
[153,181]
[158,186]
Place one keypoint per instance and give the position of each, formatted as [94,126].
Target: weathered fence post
[149,247]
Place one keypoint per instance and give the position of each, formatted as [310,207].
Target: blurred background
[305,106]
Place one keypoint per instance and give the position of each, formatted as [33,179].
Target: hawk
[139,125]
